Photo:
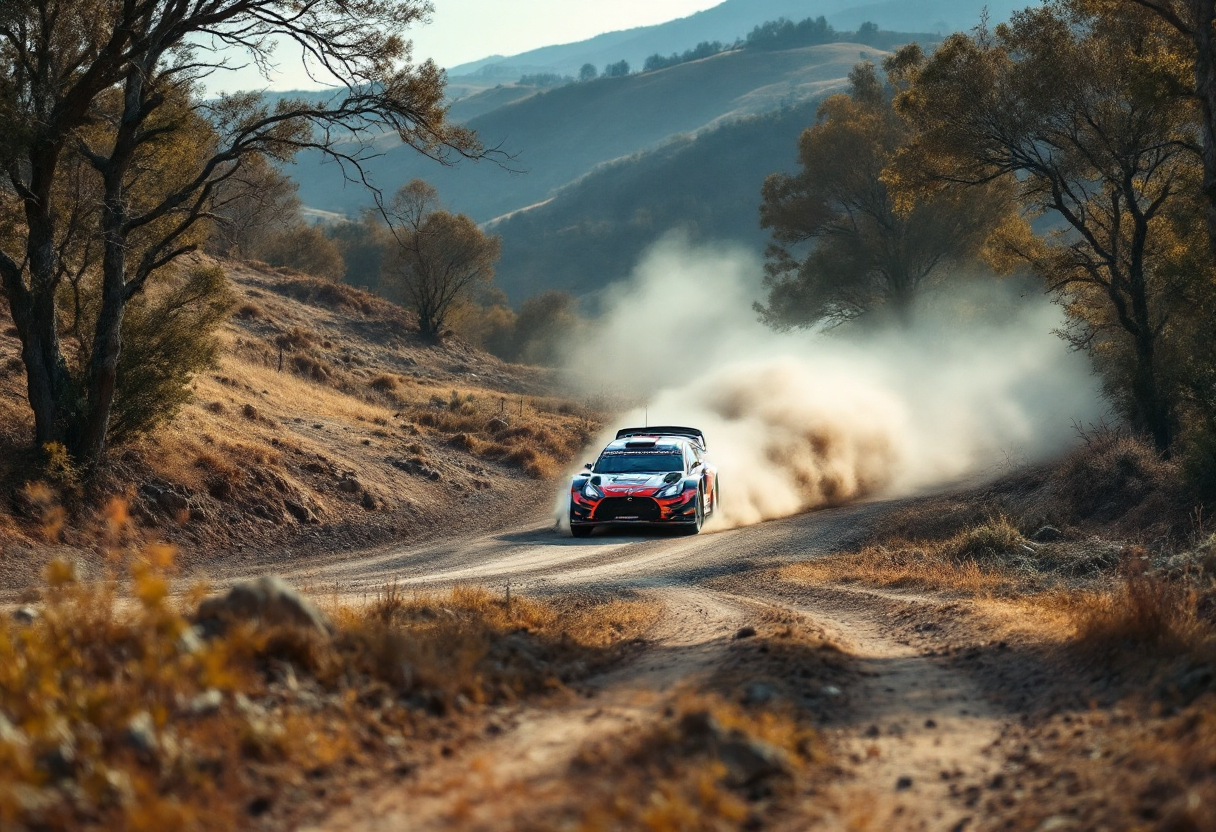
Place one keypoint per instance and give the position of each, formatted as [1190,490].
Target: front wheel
[581,531]
[695,526]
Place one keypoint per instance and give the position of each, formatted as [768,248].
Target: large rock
[268,600]
[748,760]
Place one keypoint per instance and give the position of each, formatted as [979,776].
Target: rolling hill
[557,136]
[730,20]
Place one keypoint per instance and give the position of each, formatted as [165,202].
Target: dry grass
[115,715]
[541,447]
[973,561]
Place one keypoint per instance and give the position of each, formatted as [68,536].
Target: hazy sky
[466,30]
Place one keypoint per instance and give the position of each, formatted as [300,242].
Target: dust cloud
[799,420]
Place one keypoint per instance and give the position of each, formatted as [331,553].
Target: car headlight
[672,490]
[591,492]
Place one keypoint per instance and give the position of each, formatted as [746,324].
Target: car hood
[642,484]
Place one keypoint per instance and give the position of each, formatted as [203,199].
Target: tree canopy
[113,158]
[438,258]
[843,247]
[1077,108]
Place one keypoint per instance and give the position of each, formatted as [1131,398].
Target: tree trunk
[90,445]
[47,379]
[1205,86]
[1146,389]
[51,391]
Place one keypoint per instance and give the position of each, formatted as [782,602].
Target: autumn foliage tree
[437,259]
[843,247]
[1079,111]
[112,156]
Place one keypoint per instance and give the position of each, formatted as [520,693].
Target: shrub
[384,383]
[304,248]
[168,336]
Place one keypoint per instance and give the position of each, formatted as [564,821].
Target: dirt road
[912,731]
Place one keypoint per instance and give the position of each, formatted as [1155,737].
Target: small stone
[300,512]
[757,694]
[929,723]
[190,641]
[873,731]
[25,615]
[745,632]
[349,485]
[140,733]
[831,691]
[903,784]
[369,502]
[207,702]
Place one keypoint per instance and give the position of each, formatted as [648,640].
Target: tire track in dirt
[911,717]
[919,730]
[481,787]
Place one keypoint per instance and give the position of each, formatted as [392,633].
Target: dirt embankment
[327,425]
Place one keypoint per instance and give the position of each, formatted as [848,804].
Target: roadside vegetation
[1092,583]
[124,706]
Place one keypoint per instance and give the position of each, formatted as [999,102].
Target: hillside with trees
[593,232]
[555,136]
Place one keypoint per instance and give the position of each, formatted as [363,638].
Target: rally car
[647,476]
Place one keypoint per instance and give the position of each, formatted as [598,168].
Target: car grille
[632,508]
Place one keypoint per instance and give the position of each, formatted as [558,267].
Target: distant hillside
[562,134]
[592,233]
[734,19]
[726,22]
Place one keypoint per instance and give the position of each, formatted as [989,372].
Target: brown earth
[327,426]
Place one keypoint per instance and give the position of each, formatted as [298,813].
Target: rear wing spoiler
[665,430]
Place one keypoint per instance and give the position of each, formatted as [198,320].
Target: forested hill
[556,137]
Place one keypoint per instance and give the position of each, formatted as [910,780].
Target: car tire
[695,526]
[581,531]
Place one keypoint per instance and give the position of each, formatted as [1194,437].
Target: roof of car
[655,442]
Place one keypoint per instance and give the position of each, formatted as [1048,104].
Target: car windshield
[633,462]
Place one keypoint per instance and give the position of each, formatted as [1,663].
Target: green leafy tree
[1078,111]
[588,73]
[843,247]
[437,259]
[618,70]
[112,157]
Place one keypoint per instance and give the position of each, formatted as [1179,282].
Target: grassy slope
[357,440]
[560,135]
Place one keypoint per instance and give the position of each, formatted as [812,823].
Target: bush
[305,248]
[168,336]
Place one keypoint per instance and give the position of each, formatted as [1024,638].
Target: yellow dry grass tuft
[972,561]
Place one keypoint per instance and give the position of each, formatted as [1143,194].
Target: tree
[112,156]
[618,70]
[250,207]
[362,244]
[305,248]
[865,253]
[437,258]
[1196,21]
[588,73]
[1077,111]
